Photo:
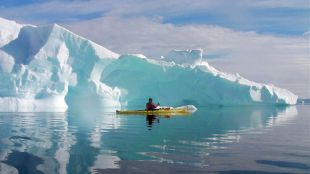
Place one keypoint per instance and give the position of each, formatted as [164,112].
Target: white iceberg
[8,31]
[49,68]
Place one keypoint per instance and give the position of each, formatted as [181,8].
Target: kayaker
[150,105]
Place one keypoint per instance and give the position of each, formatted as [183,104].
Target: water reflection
[29,137]
[89,142]
[150,119]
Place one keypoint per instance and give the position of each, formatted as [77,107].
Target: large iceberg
[49,68]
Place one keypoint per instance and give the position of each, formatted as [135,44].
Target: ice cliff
[49,68]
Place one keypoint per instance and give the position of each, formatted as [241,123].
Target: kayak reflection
[150,119]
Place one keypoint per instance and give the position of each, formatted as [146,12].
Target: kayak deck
[164,111]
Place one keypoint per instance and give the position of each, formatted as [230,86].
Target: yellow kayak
[162,111]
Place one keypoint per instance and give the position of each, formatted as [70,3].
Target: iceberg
[46,69]
[51,69]
[185,57]
[176,84]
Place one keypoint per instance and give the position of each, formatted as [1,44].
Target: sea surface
[225,140]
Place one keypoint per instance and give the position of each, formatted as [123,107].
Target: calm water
[212,140]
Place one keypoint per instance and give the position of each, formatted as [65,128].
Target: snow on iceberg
[185,57]
[52,69]
[8,31]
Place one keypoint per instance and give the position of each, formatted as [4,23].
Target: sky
[263,40]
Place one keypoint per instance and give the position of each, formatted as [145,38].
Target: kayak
[161,111]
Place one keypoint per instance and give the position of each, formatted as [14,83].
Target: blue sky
[281,17]
[286,21]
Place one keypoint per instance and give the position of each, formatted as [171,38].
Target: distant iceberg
[50,69]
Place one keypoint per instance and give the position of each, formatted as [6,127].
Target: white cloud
[281,60]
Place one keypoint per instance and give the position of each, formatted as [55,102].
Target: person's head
[150,100]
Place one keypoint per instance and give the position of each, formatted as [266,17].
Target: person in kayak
[150,105]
